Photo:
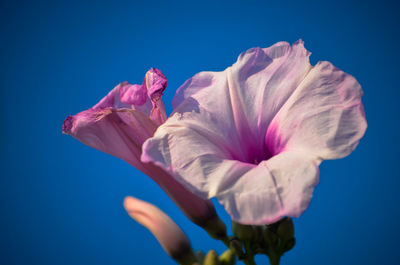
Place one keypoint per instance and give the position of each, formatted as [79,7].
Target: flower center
[253,155]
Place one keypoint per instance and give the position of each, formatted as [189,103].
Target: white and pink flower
[254,135]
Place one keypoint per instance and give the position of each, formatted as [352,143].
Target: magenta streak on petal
[273,142]
[248,147]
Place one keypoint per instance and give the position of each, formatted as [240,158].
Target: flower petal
[120,133]
[251,194]
[123,119]
[281,186]
[191,156]
[242,100]
[127,96]
[324,116]
[146,98]
[155,83]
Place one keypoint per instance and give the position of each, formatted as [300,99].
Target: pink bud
[169,235]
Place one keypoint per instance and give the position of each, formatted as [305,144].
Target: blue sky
[61,201]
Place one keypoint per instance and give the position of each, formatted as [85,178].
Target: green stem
[249,261]
[236,250]
[226,241]
[274,259]
[187,259]
[249,254]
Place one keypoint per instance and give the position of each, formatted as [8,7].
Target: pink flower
[169,235]
[121,122]
[254,135]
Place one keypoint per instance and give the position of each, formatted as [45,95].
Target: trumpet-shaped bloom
[254,135]
[121,122]
[169,235]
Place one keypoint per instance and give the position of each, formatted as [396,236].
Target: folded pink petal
[254,134]
[155,83]
[118,132]
[121,122]
[146,98]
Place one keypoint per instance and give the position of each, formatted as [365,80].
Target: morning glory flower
[254,135]
[121,122]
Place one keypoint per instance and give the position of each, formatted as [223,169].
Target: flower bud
[211,258]
[237,248]
[200,256]
[227,258]
[169,235]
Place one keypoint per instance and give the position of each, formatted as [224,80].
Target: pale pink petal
[251,194]
[192,156]
[218,109]
[120,133]
[242,100]
[167,232]
[324,116]
[281,186]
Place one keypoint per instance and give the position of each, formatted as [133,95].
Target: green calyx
[278,238]
[272,240]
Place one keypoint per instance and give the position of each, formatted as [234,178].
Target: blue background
[61,201]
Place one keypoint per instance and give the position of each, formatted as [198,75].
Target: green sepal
[285,229]
[243,232]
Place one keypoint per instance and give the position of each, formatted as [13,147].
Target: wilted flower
[121,122]
[169,235]
[254,135]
